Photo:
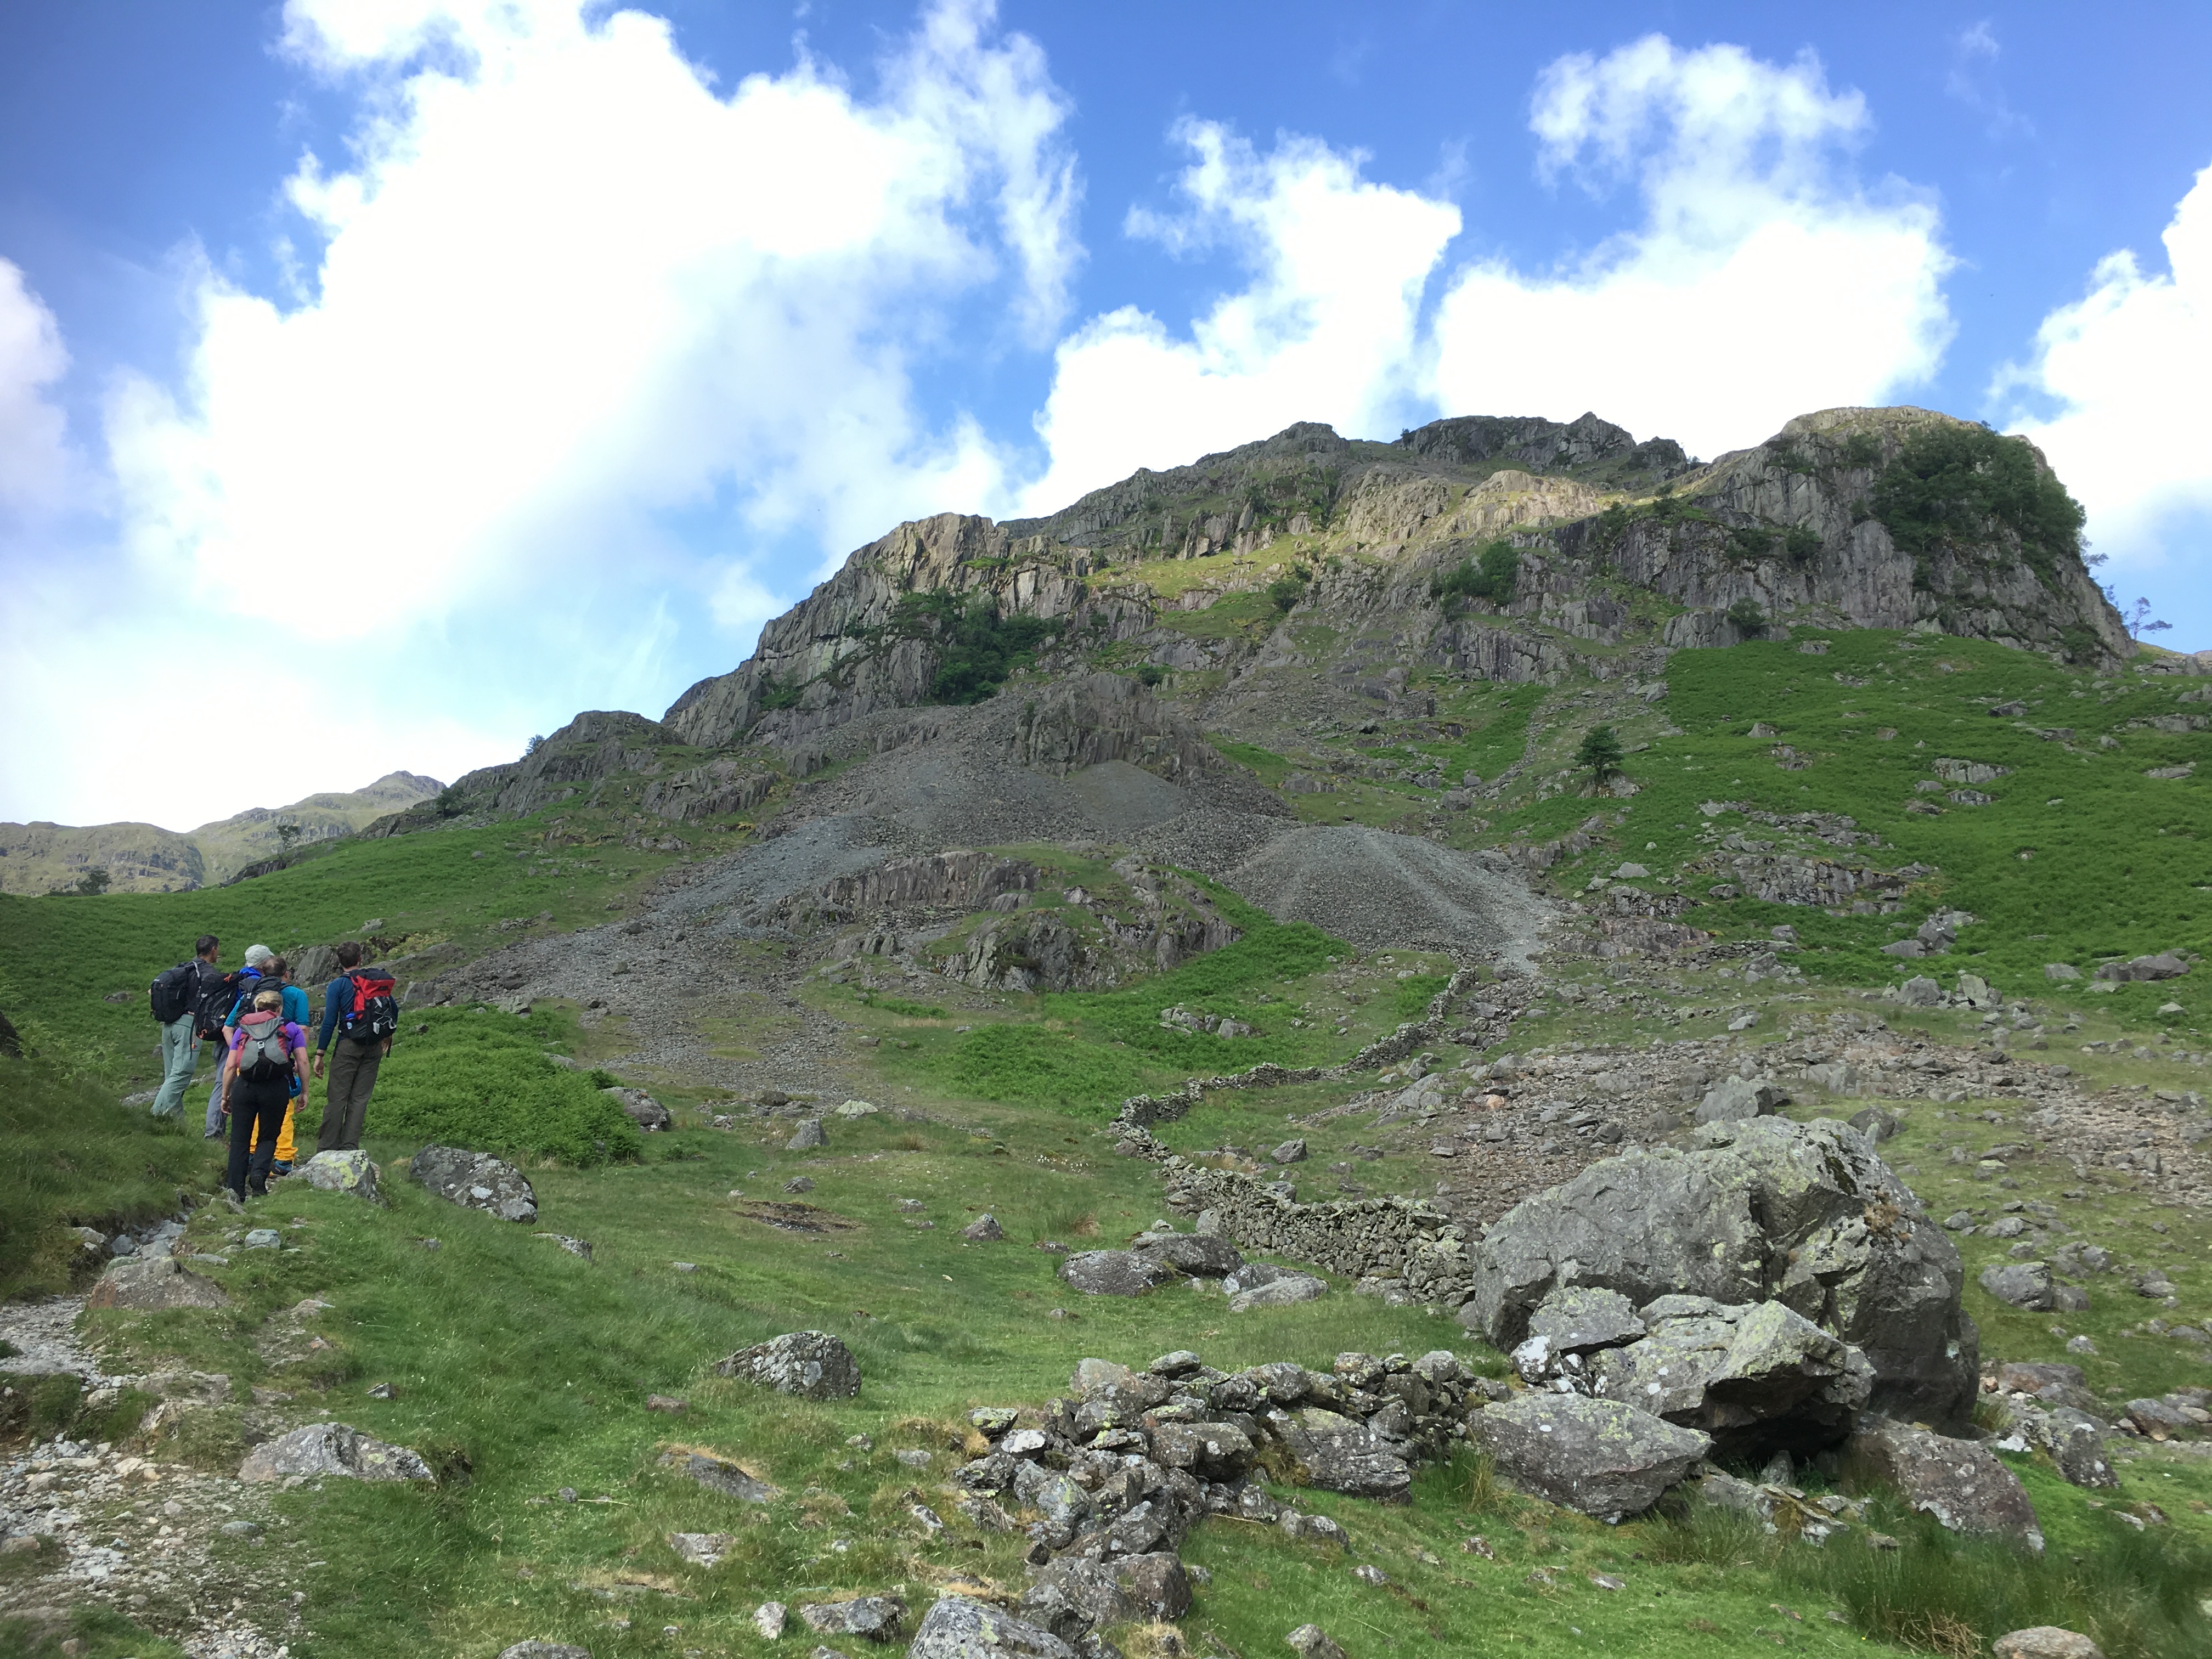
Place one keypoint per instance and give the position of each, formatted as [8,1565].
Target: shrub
[1801,544]
[775,694]
[1749,619]
[485,1081]
[1490,574]
[1286,590]
[1952,485]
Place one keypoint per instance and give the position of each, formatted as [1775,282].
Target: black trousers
[252,1103]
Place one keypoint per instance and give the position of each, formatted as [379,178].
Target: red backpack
[375,1015]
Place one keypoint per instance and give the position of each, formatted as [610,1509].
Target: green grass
[481,1079]
[69,1155]
[2116,864]
[60,958]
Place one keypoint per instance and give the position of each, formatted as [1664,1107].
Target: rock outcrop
[1768,1210]
[476,1180]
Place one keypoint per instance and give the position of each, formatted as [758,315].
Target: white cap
[258,955]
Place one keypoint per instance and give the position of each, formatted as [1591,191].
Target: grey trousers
[181,1058]
[352,1079]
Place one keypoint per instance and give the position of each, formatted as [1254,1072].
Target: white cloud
[2126,365]
[1326,329]
[567,289]
[36,473]
[1763,282]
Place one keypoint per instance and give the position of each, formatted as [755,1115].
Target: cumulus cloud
[1326,327]
[35,469]
[2125,366]
[566,289]
[1764,280]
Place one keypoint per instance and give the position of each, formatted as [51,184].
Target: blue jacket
[295,1004]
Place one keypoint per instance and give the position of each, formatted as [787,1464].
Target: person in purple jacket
[268,1052]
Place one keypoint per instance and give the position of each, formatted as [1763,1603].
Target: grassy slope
[535,1365]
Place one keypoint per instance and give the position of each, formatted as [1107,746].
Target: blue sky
[507,359]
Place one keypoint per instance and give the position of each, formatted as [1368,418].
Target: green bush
[485,1080]
[1749,619]
[1285,591]
[977,647]
[1490,574]
[1954,484]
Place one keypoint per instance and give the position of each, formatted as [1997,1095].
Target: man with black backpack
[360,1009]
[177,993]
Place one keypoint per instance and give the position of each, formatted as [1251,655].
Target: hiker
[358,1006]
[267,1053]
[220,999]
[279,972]
[177,995]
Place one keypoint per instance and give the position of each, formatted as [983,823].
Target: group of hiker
[260,1018]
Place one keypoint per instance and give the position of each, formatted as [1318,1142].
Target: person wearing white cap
[258,957]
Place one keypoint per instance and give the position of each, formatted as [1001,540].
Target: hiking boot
[253,1191]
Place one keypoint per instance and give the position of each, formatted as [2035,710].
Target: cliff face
[1619,544]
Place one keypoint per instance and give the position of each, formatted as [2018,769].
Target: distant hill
[143,858]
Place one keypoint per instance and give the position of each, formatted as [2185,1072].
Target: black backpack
[219,994]
[175,991]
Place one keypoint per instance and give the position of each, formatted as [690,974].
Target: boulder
[983,1230]
[1114,1273]
[1279,1293]
[1131,1586]
[871,1617]
[2052,1384]
[1291,1151]
[328,1448]
[2021,1284]
[2076,1442]
[2046,1642]
[717,1476]
[1577,1319]
[1599,1457]
[343,1172]
[958,1628]
[1759,1379]
[2061,971]
[2167,965]
[476,1180]
[812,1365]
[1921,992]
[1805,1214]
[153,1285]
[1201,1255]
[640,1108]
[807,1137]
[1340,1454]
[1958,1482]
[1735,1098]
[1312,1642]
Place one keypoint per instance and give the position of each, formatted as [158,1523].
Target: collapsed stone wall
[1404,1239]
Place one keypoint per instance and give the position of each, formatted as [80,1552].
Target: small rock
[343,1172]
[769,1618]
[701,1549]
[661,1403]
[1311,1642]
[1367,1574]
[959,1628]
[1278,1293]
[872,1618]
[384,1391]
[812,1365]
[1291,1151]
[2021,1284]
[983,1230]
[331,1448]
[799,1184]
[263,1238]
[2046,1642]
[807,1137]
[544,1651]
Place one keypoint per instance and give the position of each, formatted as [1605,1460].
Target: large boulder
[331,1448]
[1958,1482]
[1599,1457]
[1202,1256]
[1339,1454]
[343,1172]
[640,1108]
[476,1180]
[958,1628]
[812,1365]
[1114,1273]
[1280,1292]
[153,1285]
[1805,1214]
[1758,1379]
